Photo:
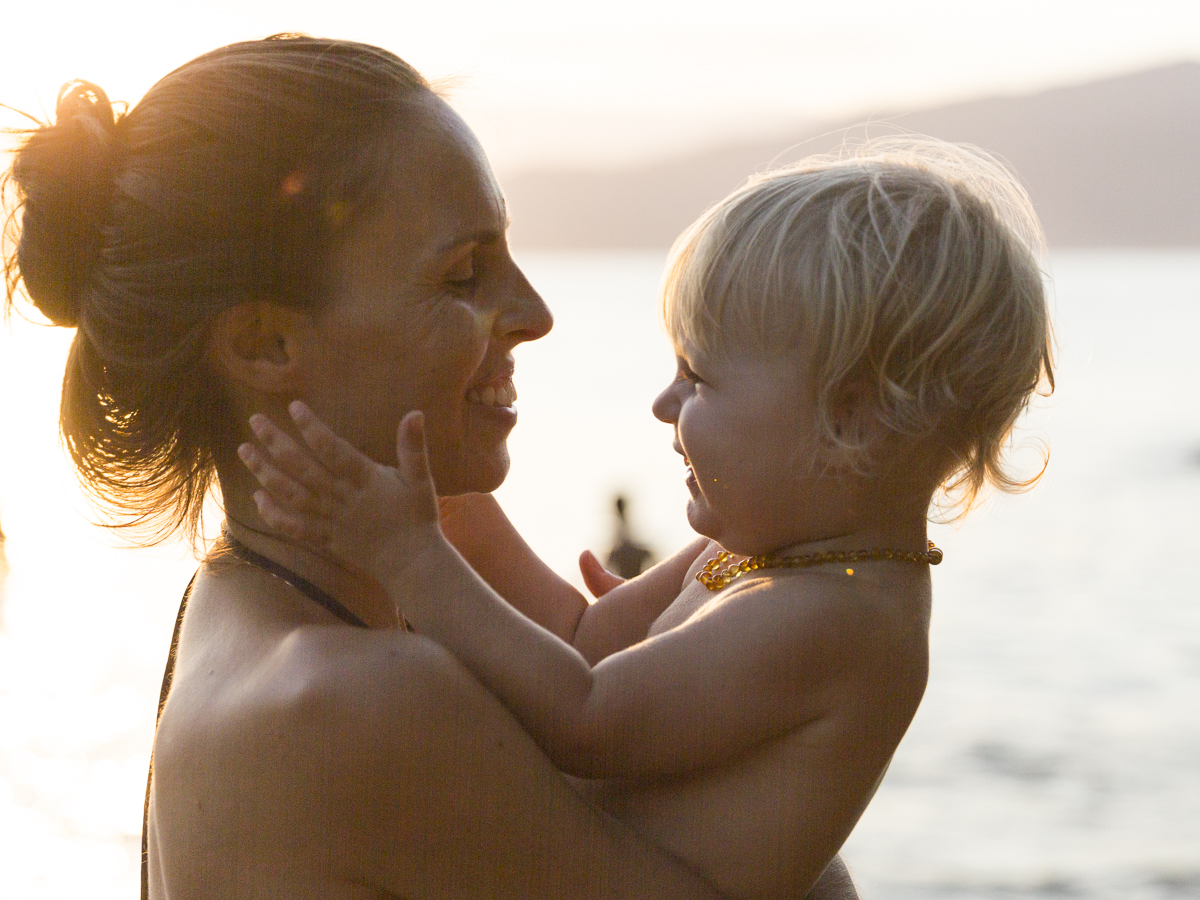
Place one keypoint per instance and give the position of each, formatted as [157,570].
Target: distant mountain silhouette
[1110,163]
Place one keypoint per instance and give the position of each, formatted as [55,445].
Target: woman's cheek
[484,322]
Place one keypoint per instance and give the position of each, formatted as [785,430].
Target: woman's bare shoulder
[355,684]
[384,745]
[347,754]
[258,654]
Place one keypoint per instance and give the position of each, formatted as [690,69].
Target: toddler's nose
[666,406]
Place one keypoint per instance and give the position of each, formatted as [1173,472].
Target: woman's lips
[492,402]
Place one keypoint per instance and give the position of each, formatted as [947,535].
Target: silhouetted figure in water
[627,558]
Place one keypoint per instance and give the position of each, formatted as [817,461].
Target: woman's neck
[358,593]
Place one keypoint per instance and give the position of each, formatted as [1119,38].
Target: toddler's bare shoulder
[830,617]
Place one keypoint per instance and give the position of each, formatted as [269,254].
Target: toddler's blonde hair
[909,265]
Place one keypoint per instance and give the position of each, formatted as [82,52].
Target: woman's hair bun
[64,178]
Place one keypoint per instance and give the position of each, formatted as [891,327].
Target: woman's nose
[526,316]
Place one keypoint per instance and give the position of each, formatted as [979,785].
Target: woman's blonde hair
[908,265]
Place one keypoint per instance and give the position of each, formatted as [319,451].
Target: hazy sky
[554,80]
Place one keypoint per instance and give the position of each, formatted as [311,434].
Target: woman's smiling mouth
[503,394]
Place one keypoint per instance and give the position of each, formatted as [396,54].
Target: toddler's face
[745,427]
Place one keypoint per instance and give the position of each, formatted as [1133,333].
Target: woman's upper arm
[480,531]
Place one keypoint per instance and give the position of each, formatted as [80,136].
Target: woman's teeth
[505,395]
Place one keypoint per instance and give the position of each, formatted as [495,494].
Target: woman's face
[428,309]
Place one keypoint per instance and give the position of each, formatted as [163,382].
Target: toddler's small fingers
[282,487]
[290,524]
[597,578]
[289,455]
[252,458]
[338,455]
[411,454]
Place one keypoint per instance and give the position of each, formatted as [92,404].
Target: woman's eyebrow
[480,236]
[483,236]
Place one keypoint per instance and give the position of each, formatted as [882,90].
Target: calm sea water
[1057,752]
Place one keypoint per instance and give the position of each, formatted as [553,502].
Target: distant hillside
[1110,163]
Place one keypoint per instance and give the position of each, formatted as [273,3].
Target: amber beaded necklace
[713,577]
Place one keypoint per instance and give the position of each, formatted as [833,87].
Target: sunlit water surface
[1057,752]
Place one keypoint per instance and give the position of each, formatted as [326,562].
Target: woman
[301,218]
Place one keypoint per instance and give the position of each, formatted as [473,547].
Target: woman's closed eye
[463,287]
[462,279]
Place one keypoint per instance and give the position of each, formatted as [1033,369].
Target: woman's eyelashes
[462,287]
[463,277]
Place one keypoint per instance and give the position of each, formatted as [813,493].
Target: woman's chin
[480,476]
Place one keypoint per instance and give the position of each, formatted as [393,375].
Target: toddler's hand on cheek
[327,494]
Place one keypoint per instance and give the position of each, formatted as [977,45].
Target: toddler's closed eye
[684,372]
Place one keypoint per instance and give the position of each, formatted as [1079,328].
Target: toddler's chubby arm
[478,529]
[681,701]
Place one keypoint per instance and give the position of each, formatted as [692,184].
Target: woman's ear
[257,344]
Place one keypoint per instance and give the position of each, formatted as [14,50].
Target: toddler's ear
[257,343]
[854,410]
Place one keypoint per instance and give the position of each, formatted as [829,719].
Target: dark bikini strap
[299,582]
